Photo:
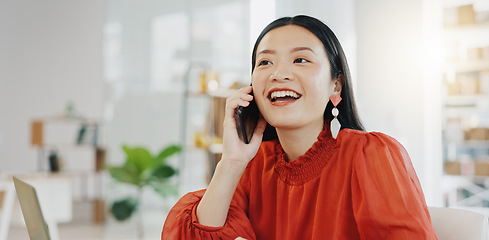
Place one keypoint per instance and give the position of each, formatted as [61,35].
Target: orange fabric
[360,186]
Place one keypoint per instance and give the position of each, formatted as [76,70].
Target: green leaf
[163,172]
[167,152]
[165,189]
[139,157]
[123,209]
[127,150]
[125,174]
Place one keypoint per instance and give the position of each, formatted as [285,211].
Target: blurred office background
[154,73]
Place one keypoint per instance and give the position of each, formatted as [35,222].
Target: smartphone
[246,121]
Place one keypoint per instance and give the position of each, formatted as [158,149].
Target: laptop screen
[31,209]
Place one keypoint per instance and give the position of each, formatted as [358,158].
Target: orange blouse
[358,186]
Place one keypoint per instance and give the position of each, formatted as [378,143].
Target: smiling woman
[310,181]
[292,59]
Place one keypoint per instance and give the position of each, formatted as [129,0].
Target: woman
[312,182]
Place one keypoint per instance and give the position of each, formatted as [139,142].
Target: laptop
[31,209]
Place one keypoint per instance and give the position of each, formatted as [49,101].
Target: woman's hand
[214,205]
[235,151]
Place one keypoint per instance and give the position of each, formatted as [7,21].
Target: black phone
[246,121]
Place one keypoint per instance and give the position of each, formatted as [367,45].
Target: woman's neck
[297,141]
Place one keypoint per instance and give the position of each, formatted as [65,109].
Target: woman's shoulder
[376,150]
[363,139]
[348,134]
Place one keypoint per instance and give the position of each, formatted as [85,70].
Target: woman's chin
[292,123]
[283,123]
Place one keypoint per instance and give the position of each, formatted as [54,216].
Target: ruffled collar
[309,165]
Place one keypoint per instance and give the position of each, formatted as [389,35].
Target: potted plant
[142,169]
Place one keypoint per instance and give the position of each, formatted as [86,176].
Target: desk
[54,192]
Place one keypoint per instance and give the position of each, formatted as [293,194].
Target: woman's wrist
[234,167]
[214,206]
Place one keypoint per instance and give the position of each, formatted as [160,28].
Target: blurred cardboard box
[479,133]
[466,14]
[481,168]
[478,168]
[453,88]
[461,15]
[453,168]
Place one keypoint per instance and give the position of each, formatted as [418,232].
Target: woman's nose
[282,73]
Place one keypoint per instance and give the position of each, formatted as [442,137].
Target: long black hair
[348,116]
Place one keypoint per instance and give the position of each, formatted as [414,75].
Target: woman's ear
[338,83]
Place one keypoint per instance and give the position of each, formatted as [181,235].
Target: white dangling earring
[335,125]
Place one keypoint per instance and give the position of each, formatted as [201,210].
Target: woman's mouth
[283,96]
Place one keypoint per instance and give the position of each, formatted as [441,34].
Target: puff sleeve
[387,198]
[182,222]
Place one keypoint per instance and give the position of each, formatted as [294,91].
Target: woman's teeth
[284,94]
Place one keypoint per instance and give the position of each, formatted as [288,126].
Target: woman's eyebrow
[297,49]
[266,51]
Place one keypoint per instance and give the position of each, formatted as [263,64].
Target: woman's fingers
[233,147]
[241,98]
[259,129]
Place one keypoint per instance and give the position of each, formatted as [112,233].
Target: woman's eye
[300,60]
[264,62]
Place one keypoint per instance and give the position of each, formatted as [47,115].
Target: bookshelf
[71,147]
[465,102]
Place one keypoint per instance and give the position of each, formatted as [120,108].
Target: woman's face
[292,78]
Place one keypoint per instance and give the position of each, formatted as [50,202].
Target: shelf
[220,93]
[466,100]
[68,146]
[476,143]
[196,94]
[68,119]
[484,144]
[471,66]
[466,47]
[468,30]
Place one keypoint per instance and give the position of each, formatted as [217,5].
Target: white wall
[391,83]
[50,54]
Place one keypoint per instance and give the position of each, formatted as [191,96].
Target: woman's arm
[386,194]
[214,206]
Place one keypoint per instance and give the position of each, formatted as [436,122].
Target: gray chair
[459,224]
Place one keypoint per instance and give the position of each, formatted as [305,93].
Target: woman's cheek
[260,102]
